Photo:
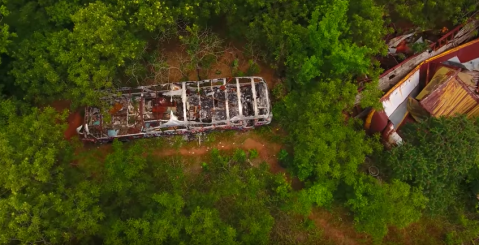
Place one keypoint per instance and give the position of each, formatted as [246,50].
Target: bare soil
[223,67]
[74,119]
[337,227]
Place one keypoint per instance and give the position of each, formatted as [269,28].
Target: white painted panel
[400,94]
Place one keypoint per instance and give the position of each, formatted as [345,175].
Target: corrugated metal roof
[449,93]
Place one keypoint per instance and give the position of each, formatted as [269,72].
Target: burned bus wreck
[179,108]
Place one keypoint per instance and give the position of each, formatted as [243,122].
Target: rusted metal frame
[127,113]
[142,101]
[129,99]
[199,96]
[85,121]
[448,37]
[127,109]
[227,106]
[434,46]
[253,88]
[214,107]
[125,135]
[450,51]
[183,100]
[238,94]
[95,138]
[441,86]
[267,100]
[427,74]
[101,126]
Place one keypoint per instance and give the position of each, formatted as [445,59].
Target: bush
[283,157]
[253,154]
[239,156]
[437,157]
[253,68]
[377,206]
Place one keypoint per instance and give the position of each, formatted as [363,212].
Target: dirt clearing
[74,119]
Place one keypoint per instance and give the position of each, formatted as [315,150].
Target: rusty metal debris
[450,92]
[444,85]
[180,108]
[453,38]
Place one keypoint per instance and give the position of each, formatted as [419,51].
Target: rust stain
[451,51]
[386,96]
[405,79]
[448,95]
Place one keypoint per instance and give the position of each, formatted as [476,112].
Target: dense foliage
[430,14]
[75,49]
[438,158]
[377,206]
[325,145]
[40,201]
[129,198]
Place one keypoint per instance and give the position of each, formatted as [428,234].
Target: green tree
[30,145]
[146,200]
[36,68]
[6,37]
[147,15]
[79,63]
[37,204]
[326,144]
[5,34]
[431,14]
[379,205]
[339,37]
[325,53]
[437,157]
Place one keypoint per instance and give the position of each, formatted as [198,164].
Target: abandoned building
[179,108]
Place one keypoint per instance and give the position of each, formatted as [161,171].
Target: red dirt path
[74,119]
[266,149]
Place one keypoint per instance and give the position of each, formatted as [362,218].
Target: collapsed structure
[444,85]
[179,108]
[454,38]
[451,91]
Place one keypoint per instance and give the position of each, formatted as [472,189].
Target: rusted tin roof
[455,37]
[450,92]
[400,103]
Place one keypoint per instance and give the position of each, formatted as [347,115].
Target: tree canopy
[76,50]
[379,205]
[37,203]
[437,157]
[432,14]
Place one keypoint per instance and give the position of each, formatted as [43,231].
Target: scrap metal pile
[451,91]
[186,107]
[444,85]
